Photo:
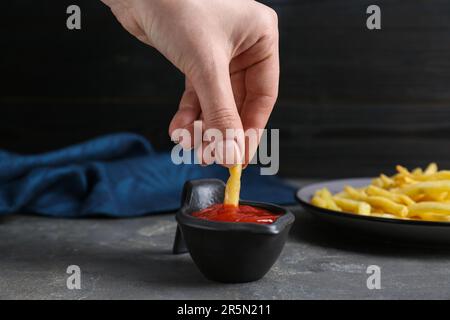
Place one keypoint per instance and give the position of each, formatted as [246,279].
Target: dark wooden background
[352,101]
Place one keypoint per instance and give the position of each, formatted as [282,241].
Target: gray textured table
[131,259]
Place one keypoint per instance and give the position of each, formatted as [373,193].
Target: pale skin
[228,52]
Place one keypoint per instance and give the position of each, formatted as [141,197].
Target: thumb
[221,117]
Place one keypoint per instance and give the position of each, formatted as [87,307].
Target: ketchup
[220,212]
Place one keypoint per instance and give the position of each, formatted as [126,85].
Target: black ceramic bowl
[225,251]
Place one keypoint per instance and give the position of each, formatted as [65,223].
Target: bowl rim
[184,217]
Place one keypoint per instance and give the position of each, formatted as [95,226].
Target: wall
[352,101]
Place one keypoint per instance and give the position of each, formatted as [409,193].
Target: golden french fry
[418,197]
[233,187]
[378,182]
[441,175]
[418,194]
[326,195]
[439,196]
[409,180]
[377,191]
[427,187]
[353,206]
[427,207]
[431,169]
[319,202]
[387,182]
[402,170]
[433,216]
[387,205]
[398,198]
[354,194]
[376,210]
[342,194]
[385,215]
[406,200]
[401,180]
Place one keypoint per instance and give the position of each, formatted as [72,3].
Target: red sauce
[219,212]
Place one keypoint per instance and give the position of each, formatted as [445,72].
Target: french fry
[419,197]
[427,187]
[355,194]
[385,215]
[441,175]
[409,180]
[431,169]
[388,206]
[430,207]
[440,197]
[406,200]
[233,186]
[403,171]
[387,182]
[378,182]
[376,211]
[326,195]
[353,206]
[319,202]
[432,216]
[342,194]
[420,194]
[398,198]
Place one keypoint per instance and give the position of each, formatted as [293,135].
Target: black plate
[385,228]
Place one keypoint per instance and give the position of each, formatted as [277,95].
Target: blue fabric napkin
[118,175]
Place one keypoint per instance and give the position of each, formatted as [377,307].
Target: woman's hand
[228,51]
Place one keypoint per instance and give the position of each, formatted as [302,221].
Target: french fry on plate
[419,194]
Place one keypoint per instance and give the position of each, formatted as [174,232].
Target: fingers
[230,104]
[215,94]
[238,85]
[219,110]
[261,65]
[188,111]
[262,90]
[261,81]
